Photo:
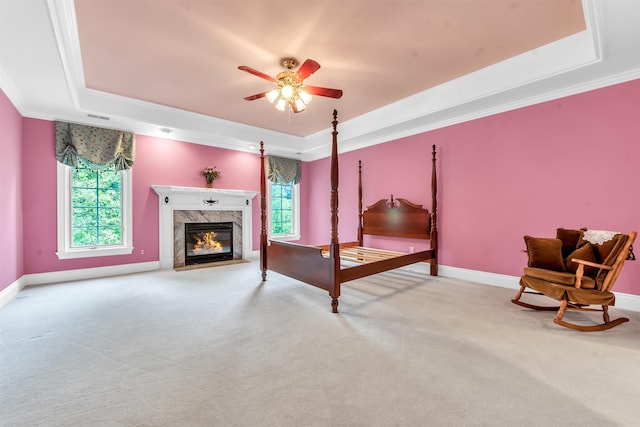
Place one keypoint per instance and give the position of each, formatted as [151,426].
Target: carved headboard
[397,218]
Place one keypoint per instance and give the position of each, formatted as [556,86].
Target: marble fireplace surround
[178,205]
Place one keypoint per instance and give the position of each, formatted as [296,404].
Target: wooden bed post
[434,214]
[334,247]
[263,216]
[360,224]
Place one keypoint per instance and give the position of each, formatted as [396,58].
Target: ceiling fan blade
[307,68]
[323,91]
[257,73]
[256,96]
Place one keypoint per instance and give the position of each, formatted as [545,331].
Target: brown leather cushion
[585,253]
[545,253]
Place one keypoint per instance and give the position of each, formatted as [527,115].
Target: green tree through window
[96,208]
[281,209]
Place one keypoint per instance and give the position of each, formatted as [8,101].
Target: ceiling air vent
[95,116]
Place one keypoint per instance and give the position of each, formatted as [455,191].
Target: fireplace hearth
[206,242]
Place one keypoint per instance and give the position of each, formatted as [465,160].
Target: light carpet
[216,347]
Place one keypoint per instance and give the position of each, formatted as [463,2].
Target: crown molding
[578,63]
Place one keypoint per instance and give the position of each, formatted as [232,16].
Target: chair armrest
[590,264]
[580,271]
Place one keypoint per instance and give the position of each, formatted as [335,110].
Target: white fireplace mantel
[173,198]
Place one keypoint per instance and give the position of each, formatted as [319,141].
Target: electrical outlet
[141,251]
[410,249]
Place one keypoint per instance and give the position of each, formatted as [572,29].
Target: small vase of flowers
[210,174]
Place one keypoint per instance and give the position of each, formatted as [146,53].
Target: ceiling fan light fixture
[281,104]
[287,92]
[290,89]
[299,104]
[272,95]
[306,98]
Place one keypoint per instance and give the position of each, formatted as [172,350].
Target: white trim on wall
[10,292]
[623,301]
[295,235]
[89,273]
[64,202]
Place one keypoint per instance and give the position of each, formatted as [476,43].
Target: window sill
[286,238]
[94,252]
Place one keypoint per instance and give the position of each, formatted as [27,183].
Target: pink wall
[11,259]
[158,162]
[166,162]
[571,162]
[386,170]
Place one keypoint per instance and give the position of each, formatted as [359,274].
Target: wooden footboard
[313,264]
[301,262]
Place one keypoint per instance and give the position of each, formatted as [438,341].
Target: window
[94,212]
[284,211]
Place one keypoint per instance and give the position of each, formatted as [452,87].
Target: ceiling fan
[290,89]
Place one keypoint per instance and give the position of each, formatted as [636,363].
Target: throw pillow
[545,253]
[570,240]
[585,253]
[606,252]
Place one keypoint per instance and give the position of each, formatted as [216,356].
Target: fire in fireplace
[208,242]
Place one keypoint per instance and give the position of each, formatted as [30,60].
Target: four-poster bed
[329,266]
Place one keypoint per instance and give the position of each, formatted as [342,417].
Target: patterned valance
[283,171]
[94,147]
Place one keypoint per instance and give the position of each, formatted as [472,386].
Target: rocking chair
[577,268]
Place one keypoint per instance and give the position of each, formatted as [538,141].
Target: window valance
[283,171]
[95,147]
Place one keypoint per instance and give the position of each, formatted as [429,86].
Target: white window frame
[295,235]
[65,251]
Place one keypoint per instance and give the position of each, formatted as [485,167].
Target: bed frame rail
[364,270]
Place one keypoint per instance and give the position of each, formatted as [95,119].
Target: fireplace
[206,242]
[181,205]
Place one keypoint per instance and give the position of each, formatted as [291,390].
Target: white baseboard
[89,273]
[483,277]
[627,301]
[623,301]
[10,292]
